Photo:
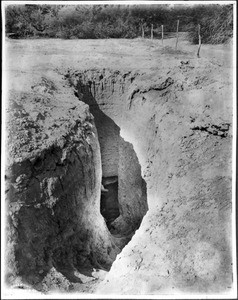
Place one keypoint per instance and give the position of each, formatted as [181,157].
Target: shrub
[216,28]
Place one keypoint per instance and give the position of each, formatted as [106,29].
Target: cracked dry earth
[118,167]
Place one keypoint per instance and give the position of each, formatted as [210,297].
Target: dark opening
[109,200]
[116,156]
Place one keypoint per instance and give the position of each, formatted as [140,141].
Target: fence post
[199,40]
[177,34]
[143,32]
[152,31]
[162,29]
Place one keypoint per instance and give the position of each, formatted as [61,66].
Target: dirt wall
[53,188]
[178,120]
[182,135]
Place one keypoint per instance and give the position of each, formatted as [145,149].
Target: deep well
[124,147]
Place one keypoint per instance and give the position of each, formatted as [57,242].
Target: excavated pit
[76,198]
[122,211]
[75,203]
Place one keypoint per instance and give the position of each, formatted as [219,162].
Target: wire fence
[160,33]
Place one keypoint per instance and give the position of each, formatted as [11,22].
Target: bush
[119,21]
[216,28]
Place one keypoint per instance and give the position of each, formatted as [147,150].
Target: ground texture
[172,127]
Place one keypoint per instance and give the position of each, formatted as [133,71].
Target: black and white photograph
[118,156]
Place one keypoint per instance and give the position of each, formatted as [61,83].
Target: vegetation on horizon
[118,21]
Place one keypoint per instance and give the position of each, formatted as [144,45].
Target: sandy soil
[27,61]
[42,56]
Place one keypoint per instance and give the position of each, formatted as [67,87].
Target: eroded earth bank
[118,179]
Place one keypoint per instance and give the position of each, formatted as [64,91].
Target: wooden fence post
[177,34]
[199,40]
[162,28]
[152,31]
[143,32]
